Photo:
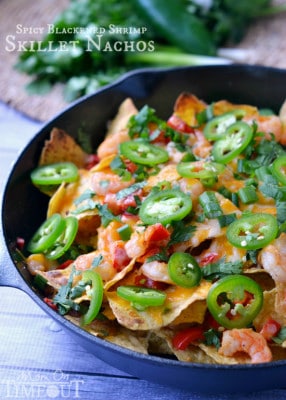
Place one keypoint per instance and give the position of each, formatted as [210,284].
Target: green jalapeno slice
[279,169]
[216,128]
[234,301]
[46,234]
[165,206]
[252,232]
[96,293]
[63,242]
[141,297]
[141,152]
[235,140]
[184,270]
[199,169]
[54,174]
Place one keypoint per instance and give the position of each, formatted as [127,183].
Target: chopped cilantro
[161,256]
[128,191]
[181,232]
[281,337]
[63,298]
[221,268]
[87,194]
[106,215]
[96,261]
[212,338]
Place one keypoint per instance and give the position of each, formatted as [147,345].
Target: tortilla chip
[62,147]
[178,299]
[187,107]
[223,106]
[192,354]
[117,132]
[125,112]
[195,313]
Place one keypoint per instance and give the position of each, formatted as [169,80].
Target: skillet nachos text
[171,238]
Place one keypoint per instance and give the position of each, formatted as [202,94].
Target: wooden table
[40,361]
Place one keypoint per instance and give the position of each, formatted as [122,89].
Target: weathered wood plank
[28,337]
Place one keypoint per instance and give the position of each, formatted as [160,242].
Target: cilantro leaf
[221,268]
[212,338]
[181,232]
[106,215]
[131,189]
[63,298]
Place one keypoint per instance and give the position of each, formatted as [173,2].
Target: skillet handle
[9,273]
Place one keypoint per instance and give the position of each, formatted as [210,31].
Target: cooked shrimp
[202,147]
[175,155]
[38,262]
[107,182]
[142,239]
[156,270]
[271,124]
[191,186]
[105,267]
[273,258]
[204,230]
[247,341]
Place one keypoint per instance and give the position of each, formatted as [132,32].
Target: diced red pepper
[65,264]
[208,259]
[91,161]
[270,329]
[20,243]
[120,257]
[156,233]
[185,337]
[178,124]
[50,303]
[130,166]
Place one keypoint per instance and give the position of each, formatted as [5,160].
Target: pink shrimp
[108,182]
[247,341]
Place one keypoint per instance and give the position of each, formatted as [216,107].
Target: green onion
[262,172]
[210,205]
[125,232]
[234,199]
[248,194]
[225,220]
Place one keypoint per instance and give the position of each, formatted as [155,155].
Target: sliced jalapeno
[184,270]
[141,297]
[165,206]
[199,169]
[63,242]
[235,140]
[216,128]
[279,169]
[96,293]
[252,231]
[144,153]
[46,235]
[234,301]
[54,174]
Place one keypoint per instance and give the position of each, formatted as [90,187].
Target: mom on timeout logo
[29,385]
[95,38]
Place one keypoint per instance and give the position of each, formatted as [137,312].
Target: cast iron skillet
[23,207]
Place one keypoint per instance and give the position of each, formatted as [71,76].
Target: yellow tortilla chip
[187,107]
[178,299]
[62,147]
[223,106]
